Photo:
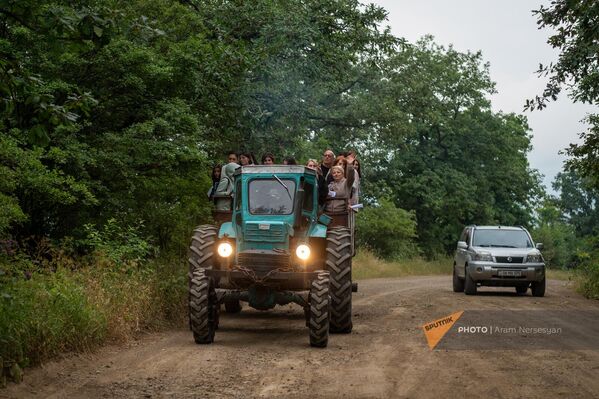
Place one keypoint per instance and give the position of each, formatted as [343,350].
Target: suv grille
[263,261]
[509,259]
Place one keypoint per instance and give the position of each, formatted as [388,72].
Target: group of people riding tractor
[338,177]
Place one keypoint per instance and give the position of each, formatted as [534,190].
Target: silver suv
[498,256]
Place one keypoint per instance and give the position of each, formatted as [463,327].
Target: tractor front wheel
[319,315]
[203,307]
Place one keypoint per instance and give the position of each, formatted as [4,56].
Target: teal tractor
[272,248]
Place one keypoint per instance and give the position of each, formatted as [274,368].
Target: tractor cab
[275,211]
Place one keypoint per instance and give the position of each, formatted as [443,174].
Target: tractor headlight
[303,251]
[225,249]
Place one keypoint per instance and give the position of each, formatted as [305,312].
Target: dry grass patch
[367,265]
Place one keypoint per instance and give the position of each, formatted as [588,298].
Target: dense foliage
[114,111]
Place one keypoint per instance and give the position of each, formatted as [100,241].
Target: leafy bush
[588,268]
[589,284]
[559,241]
[44,313]
[120,245]
[387,230]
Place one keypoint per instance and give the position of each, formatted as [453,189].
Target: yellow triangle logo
[435,330]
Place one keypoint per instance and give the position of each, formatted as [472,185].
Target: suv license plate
[509,273]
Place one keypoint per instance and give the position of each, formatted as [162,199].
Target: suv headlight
[534,258]
[483,256]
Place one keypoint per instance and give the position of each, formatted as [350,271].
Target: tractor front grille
[262,261]
[265,232]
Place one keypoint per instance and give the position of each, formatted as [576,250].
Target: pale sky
[506,33]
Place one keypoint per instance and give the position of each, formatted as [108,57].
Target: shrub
[46,315]
[59,309]
[559,241]
[588,268]
[387,230]
[589,284]
[121,245]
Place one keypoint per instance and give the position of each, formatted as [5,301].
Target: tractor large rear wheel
[201,249]
[203,307]
[338,264]
[319,314]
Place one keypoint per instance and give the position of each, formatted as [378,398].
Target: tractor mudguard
[228,229]
[318,231]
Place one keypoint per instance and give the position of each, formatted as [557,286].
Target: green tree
[558,237]
[387,230]
[579,202]
[575,35]
[446,155]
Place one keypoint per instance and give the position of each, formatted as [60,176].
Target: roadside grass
[65,310]
[560,274]
[368,265]
[588,277]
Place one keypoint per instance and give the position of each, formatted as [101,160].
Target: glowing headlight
[483,256]
[303,252]
[225,249]
[534,258]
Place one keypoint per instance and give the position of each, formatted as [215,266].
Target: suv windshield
[501,238]
[270,197]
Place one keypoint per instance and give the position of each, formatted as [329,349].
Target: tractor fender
[318,231]
[228,230]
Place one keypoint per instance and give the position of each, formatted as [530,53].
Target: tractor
[273,247]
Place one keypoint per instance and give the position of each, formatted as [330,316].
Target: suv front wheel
[469,284]
[538,288]
[458,283]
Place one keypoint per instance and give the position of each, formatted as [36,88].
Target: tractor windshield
[270,197]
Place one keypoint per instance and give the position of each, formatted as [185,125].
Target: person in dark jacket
[328,158]
[216,171]
[321,183]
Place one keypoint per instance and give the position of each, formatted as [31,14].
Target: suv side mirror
[540,246]
[462,245]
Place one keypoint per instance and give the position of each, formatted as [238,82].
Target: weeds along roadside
[585,279]
[63,308]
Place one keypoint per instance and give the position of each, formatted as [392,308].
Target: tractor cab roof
[274,169]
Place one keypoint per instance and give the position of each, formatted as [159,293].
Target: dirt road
[266,354]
